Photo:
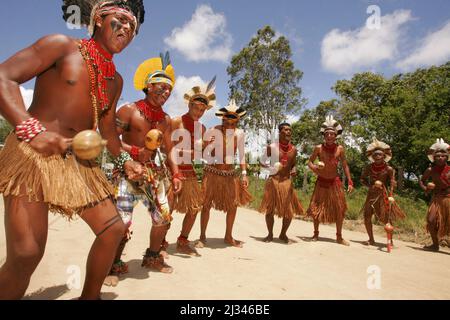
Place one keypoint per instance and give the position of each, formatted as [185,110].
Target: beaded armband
[29,129]
[119,162]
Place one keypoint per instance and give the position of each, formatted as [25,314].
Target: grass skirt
[377,203]
[281,199]
[440,208]
[68,186]
[224,192]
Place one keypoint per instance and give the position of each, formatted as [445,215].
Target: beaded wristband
[134,153]
[29,129]
[119,162]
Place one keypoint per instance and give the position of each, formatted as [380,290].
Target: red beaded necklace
[100,68]
[285,149]
[153,114]
[330,149]
[189,125]
[443,171]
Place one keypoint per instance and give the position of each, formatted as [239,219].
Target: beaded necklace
[100,68]
[152,114]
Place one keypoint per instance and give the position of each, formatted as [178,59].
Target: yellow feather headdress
[154,70]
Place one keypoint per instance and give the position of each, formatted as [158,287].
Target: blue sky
[330,39]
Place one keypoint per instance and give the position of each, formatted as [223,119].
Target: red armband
[134,153]
[29,129]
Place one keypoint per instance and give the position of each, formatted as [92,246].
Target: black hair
[284,124]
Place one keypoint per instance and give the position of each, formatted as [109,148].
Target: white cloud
[344,52]
[434,50]
[203,38]
[27,95]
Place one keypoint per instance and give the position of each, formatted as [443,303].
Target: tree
[264,81]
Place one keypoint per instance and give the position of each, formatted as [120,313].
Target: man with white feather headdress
[438,217]
[328,204]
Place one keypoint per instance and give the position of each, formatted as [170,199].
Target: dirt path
[303,270]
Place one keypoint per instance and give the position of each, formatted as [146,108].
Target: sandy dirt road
[302,270]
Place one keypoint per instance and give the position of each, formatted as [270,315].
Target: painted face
[378,156]
[118,31]
[330,136]
[159,93]
[197,109]
[230,121]
[286,133]
[440,158]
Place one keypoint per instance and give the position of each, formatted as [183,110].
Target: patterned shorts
[128,195]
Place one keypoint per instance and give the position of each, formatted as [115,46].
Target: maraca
[153,139]
[88,144]
[378,184]
[320,165]
[431,186]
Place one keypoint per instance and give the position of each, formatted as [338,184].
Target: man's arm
[364,175]
[392,182]
[25,65]
[423,181]
[313,158]
[168,145]
[108,130]
[346,170]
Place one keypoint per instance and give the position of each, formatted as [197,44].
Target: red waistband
[327,183]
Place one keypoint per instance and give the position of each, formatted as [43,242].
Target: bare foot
[111,281]
[234,243]
[314,238]
[156,264]
[286,240]
[433,248]
[269,238]
[185,248]
[200,243]
[343,242]
[369,243]
[164,254]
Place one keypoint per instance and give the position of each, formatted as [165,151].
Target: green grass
[412,228]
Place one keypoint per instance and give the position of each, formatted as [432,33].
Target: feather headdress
[331,124]
[231,111]
[206,93]
[379,145]
[90,8]
[439,146]
[154,70]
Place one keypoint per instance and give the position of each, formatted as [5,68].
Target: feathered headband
[331,124]
[154,70]
[90,9]
[439,146]
[231,111]
[379,145]
[206,93]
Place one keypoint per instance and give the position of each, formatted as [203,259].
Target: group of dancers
[78,88]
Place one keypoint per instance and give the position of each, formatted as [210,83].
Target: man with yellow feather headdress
[156,78]
[376,177]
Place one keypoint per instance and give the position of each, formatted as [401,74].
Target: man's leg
[153,258]
[284,229]
[269,223]
[369,228]
[315,237]
[433,229]
[106,223]
[183,242]
[204,219]
[339,238]
[26,226]
[231,216]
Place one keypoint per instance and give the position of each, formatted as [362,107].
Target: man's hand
[50,143]
[145,155]
[245,182]
[350,188]
[134,170]
[177,185]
